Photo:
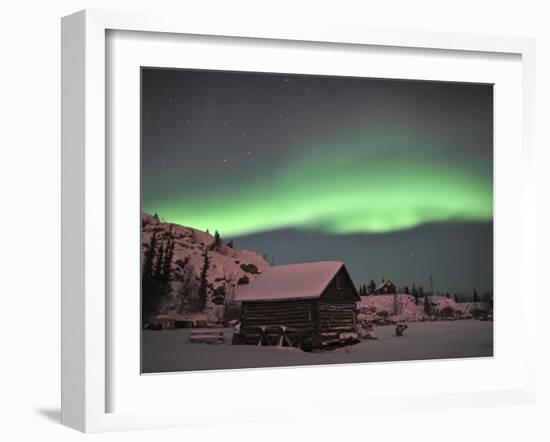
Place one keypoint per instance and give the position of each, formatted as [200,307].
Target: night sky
[392,177]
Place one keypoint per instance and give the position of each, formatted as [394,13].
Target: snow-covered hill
[229,268]
[402,307]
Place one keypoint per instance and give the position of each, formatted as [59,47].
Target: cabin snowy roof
[294,281]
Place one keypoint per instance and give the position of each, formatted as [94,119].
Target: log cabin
[386,288]
[307,305]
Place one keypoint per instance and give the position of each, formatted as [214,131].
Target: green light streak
[354,188]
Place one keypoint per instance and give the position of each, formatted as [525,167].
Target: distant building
[164,322]
[386,288]
[175,320]
[308,305]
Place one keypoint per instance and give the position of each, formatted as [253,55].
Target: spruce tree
[456,298]
[167,262]
[159,264]
[427,305]
[202,293]
[148,285]
[476,298]
[217,239]
[415,294]
[149,260]
[371,287]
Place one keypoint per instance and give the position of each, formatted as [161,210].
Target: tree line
[419,293]
[157,274]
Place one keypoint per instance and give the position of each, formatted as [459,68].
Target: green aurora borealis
[395,178]
[341,187]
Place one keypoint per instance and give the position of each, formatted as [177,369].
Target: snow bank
[402,307]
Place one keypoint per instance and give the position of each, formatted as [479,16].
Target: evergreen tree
[415,294]
[148,285]
[476,298]
[167,262]
[155,285]
[159,264]
[202,293]
[149,260]
[406,290]
[427,305]
[456,298]
[217,240]
[448,295]
[371,287]
[230,244]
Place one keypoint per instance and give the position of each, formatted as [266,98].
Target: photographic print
[294,220]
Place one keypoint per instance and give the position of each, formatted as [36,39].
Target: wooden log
[274,321]
[256,316]
[254,330]
[337,306]
[336,321]
[336,318]
[323,313]
[205,338]
[275,315]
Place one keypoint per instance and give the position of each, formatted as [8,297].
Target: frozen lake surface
[170,350]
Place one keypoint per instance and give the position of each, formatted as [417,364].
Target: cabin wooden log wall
[336,310]
[297,315]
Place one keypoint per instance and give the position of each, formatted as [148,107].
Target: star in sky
[341,160]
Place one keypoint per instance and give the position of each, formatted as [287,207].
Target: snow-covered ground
[170,350]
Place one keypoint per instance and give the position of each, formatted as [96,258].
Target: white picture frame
[85,211]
